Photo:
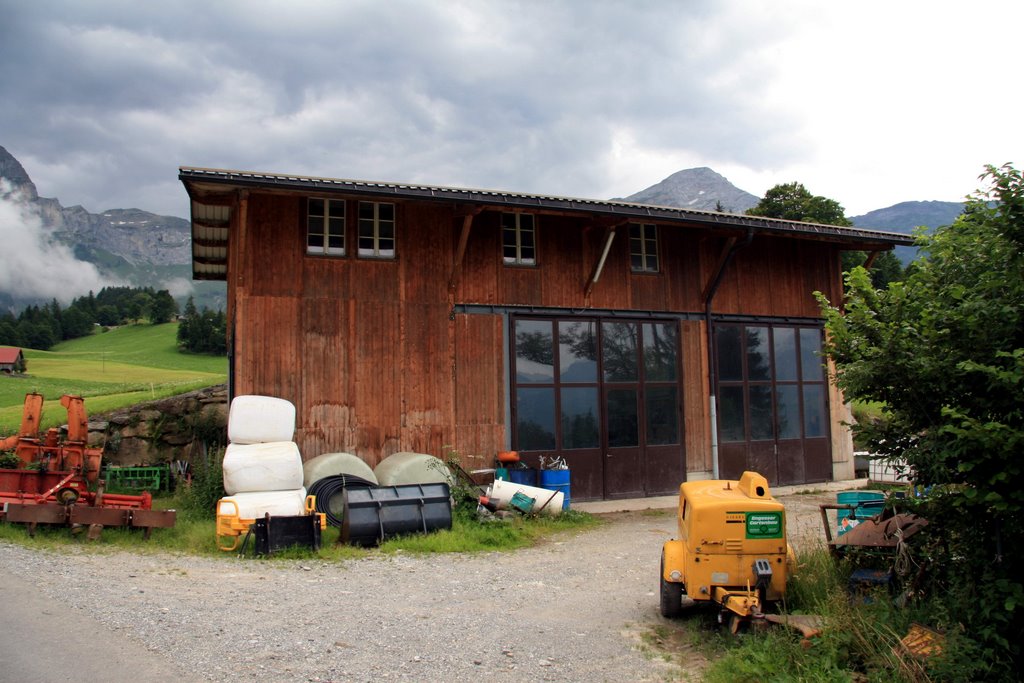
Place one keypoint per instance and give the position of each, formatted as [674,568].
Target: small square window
[518,239]
[325,227]
[643,248]
[377,230]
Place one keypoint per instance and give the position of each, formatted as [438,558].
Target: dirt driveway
[578,608]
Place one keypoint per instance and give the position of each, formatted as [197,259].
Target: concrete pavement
[664,502]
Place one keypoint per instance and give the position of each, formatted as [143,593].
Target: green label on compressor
[764,525]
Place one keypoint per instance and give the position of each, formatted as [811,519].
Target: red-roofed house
[11,360]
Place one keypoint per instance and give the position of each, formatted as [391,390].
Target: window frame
[517,230]
[640,235]
[324,232]
[375,224]
[808,376]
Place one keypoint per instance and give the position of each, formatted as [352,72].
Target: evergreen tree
[163,308]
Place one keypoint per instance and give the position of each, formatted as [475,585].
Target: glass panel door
[772,402]
[604,394]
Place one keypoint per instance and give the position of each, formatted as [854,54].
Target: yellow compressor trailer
[731,550]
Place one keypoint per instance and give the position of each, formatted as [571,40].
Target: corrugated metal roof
[209,221]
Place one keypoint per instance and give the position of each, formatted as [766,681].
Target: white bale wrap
[260,419]
[256,504]
[273,466]
[332,464]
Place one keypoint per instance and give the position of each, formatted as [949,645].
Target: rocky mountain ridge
[139,237]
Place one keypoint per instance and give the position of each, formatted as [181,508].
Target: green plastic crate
[147,478]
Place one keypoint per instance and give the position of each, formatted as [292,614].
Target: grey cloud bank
[103,101]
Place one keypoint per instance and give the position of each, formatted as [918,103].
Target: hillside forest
[40,327]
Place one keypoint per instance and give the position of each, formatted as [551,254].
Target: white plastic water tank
[260,419]
[275,466]
[258,503]
[412,468]
[551,501]
[331,464]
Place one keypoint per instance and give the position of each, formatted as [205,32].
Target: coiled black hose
[327,488]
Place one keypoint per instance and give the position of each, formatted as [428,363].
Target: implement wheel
[671,594]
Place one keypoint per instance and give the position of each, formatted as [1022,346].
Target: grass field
[124,366]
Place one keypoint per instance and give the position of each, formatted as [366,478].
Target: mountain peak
[15,173]
[701,189]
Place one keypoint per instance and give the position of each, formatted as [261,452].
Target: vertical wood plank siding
[375,363]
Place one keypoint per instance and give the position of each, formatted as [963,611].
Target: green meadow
[114,369]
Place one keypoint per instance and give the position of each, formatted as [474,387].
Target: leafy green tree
[107,315]
[77,323]
[202,332]
[163,308]
[794,202]
[37,335]
[885,269]
[138,305]
[943,351]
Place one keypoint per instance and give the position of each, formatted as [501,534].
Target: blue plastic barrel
[526,476]
[555,480]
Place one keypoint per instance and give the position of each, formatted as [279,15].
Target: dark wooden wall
[376,362]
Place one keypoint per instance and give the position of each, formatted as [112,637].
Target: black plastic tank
[374,514]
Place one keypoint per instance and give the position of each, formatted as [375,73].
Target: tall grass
[860,640]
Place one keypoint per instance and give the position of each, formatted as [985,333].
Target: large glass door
[605,396]
[772,411]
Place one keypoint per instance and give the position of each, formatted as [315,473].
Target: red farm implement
[57,479]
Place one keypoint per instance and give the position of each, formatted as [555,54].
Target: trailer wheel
[671,594]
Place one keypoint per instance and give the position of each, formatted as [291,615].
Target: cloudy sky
[869,103]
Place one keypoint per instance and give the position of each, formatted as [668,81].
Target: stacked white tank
[262,464]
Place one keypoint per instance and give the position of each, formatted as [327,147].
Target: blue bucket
[555,480]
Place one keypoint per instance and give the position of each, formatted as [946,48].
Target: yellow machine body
[231,527]
[731,548]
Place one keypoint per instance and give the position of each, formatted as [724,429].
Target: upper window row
[518,243]
[325,235]
[325,228]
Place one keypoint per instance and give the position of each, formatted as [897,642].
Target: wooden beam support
[723,258]
[460,252]
[595,274]
[870,260]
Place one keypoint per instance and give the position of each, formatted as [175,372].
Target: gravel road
[575,608]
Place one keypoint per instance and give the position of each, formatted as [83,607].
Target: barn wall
[376,362]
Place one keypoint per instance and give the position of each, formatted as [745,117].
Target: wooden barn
[646,345]
[11,360]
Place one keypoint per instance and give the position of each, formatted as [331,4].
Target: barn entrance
[605,395]
[772,403]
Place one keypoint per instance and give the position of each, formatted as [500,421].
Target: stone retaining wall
[161,431]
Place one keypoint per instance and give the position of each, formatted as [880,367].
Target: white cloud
[33,264]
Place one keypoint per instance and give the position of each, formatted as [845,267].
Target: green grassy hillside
[114,369]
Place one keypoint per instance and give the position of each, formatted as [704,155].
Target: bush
[200,496]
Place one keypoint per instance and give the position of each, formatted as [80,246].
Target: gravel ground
[573,609]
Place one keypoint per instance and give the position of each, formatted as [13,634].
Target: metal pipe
[711,349]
